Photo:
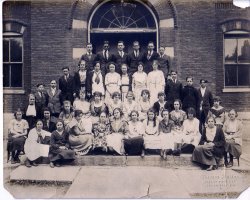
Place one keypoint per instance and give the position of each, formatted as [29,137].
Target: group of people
[124,104]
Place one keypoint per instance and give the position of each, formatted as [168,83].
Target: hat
[203,80]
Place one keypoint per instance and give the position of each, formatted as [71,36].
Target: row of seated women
[118,135]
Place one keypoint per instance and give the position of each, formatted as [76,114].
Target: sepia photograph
[125,99]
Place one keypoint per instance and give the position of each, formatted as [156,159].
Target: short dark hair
[63,68]
[191,110]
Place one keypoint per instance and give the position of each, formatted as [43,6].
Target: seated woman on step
[17,132]
[59,146]
[211,147]
[233,134]
[133,142]
[37,144]
[118,129]
[80,133]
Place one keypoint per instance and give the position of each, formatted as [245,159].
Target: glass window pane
[16,75]
[230,50]
[244,50]
[230,75]
[5,50]
[16,50]
[243,75]
[6,75]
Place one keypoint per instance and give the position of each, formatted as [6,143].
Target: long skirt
[133,146]
[81,143]
[115,140]
[34,150]
[152,142]
[100,142]
[16,143]
[204,154]
[167,140]
[233,148]
[61,154]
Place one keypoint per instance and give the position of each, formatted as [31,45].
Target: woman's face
[97,67]
[117,97]
[145,96]
[216,103]
[210,122]
[18,115]
[79,117]
[161,98]
[124,69]
[155,66]
[151,116]
[97,98]
[140,68]
[165,115]
[176,105]
[82,95]
[39,125]
[130,97]
[82,65]
[67,107]
[32,100]
[102,117]
[134,116]
[117,114]
[111,68]
[59,126]
[232,115]
[190,116]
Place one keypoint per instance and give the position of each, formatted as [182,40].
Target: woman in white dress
[129,105]
[80,103]
[151,136]
[125,81]
[112,82]
[115,102]
[118,129]
[155,82]
[36,145]
[133,142]
[190,136]
[144,104]
[139,82]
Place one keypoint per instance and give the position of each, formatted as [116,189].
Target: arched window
[129,17]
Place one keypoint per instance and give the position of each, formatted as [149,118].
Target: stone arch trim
[71,16]
[235,24]
[174,12]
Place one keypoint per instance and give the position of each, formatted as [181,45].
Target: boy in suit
[164,61]
[105,57]
[41,100]
[54,99]
[135,57]
[89,58]
[149,57]
[120,57]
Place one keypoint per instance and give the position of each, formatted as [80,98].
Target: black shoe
[13,161]
[17,160]
[230,164]
[34,163]
[176,152]
[169,152]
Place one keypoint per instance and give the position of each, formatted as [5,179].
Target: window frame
[14,90]
[236,88]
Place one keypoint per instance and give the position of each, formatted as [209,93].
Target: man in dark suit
[206,102]
[120,57]
[67,86]
[41,100]
[54,99]
[135,57]
[89,58]
[105,57]
[164,62]
[173,89]
[190,96]
[80,77]
[149,57]
[48,125]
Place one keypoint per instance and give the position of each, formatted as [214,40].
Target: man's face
[53,84]
[120,46]
[82,65]
[174,75]
[40,88]
[136,46]
[161,50]
[190,81]
[151,46]
[89,48]
[65,72]
[106,46]
[203,84]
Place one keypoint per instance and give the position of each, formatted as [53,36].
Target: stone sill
[13,91]
[236,90]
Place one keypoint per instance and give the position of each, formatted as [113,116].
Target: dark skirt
[16,143]
[204,154]
[61,154]
[133,146]
[233,148]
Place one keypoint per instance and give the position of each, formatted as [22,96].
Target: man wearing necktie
[90,58]
[41,99]
[120,57]
[105,57]
[135,57]
[164,61]
[54,99]
[149,57]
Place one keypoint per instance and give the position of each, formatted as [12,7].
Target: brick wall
[194,36]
